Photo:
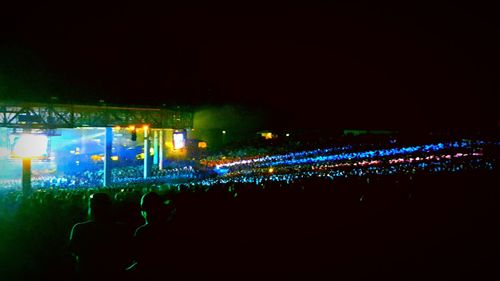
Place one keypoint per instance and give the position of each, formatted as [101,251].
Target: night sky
[373,65]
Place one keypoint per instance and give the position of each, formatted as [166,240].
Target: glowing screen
[179,140]
[29,146]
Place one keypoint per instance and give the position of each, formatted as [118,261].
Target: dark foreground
[442,227]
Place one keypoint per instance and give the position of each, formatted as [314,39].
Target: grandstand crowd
[352,212]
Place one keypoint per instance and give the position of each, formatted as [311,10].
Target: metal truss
[53,116]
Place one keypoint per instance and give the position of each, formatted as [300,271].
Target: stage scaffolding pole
[108,140]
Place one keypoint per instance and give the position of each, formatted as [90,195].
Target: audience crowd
[400,212]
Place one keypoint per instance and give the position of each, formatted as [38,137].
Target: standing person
[100,245]
[154,250]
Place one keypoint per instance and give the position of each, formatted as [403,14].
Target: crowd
[399,226]
[334,161]
[400,212]
[120,176]
[331,154]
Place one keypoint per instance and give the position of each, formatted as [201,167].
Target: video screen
[29,146]
[179,140]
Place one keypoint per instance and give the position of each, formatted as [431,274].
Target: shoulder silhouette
[100,245]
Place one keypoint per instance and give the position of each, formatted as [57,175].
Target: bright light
[97,157]
[179,141]
[223,132]
[114,158]
[30,146]
[145,127]
[287,135]
[271,170]
[131,127]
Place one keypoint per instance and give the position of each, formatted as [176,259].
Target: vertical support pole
[147,157]
[160,154]
[108,140]
[155,147]
[26,176]
[82,141]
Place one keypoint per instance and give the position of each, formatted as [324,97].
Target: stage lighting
[179,140]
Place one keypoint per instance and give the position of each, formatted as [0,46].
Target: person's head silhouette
[154,208]
[100,207]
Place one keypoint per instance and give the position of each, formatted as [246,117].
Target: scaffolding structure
[53,116]
[47,117]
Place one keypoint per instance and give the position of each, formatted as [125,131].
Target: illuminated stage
[71,152]
[67,141]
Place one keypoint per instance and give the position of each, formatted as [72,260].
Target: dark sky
[364,65]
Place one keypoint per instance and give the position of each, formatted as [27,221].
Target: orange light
[96,157]
[131,127]
[202,144]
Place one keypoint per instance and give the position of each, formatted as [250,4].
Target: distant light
[287,135]
[117,128]
[202,144]
[145,127]
[223,132]
[114,158]
[269,136]
[30,146]
[97,157]
[271,170]
[131,127]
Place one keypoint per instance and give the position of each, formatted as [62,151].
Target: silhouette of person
[153,249]
[101,246]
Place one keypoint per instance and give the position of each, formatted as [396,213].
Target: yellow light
[202,144]
[96,157]
[117,127]
[145,127]
[30,146]
[271,170]
[114,158]
[269,136]
[131,127]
